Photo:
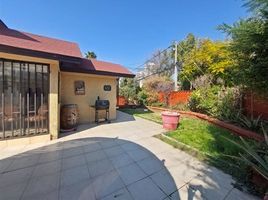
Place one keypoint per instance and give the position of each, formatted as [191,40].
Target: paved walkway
[120,160]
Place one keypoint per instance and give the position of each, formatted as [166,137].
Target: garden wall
[176,97]
[256,105]
[121,101]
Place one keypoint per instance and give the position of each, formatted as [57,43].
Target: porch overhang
[97,67]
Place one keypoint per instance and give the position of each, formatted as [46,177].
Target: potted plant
[170,119]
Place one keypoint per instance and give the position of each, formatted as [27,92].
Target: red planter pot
[170,120]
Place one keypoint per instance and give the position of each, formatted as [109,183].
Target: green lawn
[203,140]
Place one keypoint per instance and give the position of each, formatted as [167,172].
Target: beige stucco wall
[93,88]
[53,93]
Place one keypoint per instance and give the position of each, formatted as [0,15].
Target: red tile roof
[19,39]
[109,67]
[94,66]
[35,43]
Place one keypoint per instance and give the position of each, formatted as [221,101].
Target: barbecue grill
[102,105]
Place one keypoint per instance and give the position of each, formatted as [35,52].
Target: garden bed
[234,129]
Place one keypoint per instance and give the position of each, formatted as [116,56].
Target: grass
[203,140]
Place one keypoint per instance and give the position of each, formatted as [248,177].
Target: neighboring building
[39,74]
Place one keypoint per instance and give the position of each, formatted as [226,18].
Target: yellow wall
[93,88]
[53,93]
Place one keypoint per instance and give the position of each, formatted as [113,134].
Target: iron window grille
[24,89]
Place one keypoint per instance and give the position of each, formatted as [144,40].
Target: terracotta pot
[170,120]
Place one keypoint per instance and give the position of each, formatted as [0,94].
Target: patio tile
[236,194]
[114,151]
[169,158]
[17,176]
[92,147]
[165,181]
[52,195]
[151,165]
[47,168]
[50,156]
[83,190]
[129,146]
[74,161]
[72,152]
[42,185]
[183,173]
[131,173]
[73,144]
[108,143]
[121,194]
[215,176]
[74,175]
[12,192]
[121,141]
[145,189]
[107,184]
[100,167]
[5,163]
[138,154]
[121,160]
[186,193]
[208,189]
[23,161]
[95,156]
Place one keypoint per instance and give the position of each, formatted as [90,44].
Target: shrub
[152,97]
[154,85]
[229,104]
[203,81]
[204,100]
[250,123]
[142,97]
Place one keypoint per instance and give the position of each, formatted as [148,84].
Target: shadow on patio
[89,168]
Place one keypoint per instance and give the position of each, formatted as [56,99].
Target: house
[39,74]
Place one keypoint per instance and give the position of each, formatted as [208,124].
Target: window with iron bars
[24,89]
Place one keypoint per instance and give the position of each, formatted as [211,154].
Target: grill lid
[102,104]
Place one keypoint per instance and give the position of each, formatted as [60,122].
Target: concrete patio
[120,160]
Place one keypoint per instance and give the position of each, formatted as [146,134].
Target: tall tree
[90,54]
[207,57]
[249,46]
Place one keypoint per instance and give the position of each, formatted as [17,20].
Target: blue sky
[121,31]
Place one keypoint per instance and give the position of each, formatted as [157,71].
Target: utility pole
[175,67]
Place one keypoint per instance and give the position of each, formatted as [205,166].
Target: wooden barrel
[69,116]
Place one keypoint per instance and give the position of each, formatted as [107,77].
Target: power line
[158,72]
[140,66]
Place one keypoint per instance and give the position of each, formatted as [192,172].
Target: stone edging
[233,128]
